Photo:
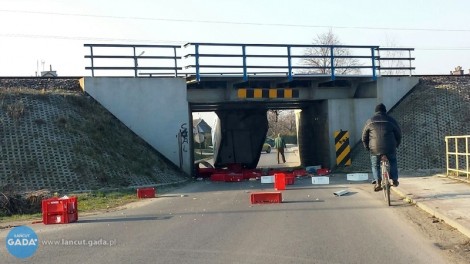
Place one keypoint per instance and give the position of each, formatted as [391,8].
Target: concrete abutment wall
[156,109]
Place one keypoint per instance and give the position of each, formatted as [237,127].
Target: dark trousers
[375,162]
[280,151]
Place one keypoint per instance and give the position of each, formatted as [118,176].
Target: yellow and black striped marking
[261,93]
[343,150]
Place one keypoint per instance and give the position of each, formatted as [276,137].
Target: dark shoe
[374,182]
[378,186]
[395,183]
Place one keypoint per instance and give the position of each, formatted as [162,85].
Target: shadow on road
[125,219]
[304,201]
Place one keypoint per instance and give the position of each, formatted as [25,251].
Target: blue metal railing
[164,60]
[332,60]
[374,76]
[245,60]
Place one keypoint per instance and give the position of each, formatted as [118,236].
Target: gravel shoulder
[454,244]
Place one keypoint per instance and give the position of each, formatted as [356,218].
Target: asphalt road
[214,222]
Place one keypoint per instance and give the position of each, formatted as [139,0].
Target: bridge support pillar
[313,134]
[242,134]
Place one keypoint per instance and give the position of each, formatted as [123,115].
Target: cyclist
[382,135]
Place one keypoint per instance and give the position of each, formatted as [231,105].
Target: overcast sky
[52,32]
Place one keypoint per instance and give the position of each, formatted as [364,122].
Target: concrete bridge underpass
[325,106]
[160,109]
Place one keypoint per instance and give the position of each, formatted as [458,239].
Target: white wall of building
[156,109]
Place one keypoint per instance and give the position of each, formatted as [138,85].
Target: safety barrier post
[374,77]
[289,64]
[245,75]
[176,62]
[92,65]
[409,57]
[135,63]
[196,51]
[332,55]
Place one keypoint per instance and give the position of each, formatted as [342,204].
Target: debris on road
[342,192]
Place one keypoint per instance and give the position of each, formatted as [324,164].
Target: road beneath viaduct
[214,222]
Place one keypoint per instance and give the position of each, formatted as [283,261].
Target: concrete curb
[461,228]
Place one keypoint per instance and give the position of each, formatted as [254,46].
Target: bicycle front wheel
[386,189]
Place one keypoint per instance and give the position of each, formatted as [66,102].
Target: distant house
[457,71]
[201,127]
[49,73]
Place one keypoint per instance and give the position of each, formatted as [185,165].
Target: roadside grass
[99,200]
[87,202]
[20,218]
[94,201]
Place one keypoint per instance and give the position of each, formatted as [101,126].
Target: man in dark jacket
[382,135]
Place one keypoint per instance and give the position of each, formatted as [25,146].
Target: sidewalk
[446,198]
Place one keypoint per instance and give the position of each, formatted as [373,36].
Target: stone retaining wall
[437,107]
[55,137]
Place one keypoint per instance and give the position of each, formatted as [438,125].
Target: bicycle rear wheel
[386,189]
[385,167]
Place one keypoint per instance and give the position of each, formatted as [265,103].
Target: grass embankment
[87,202]
[95,201]
[90,149]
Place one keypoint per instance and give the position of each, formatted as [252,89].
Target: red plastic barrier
[146,193]
[251,174]
[59,210]
[234,177]
[221,170]
[322,172]
[279,181]
[218,176]
[300,172]
[290,179]
[266,197]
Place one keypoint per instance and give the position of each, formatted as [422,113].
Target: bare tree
[281,121]
[387,57]
[324,62]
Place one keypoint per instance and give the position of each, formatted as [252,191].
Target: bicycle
[385,172]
